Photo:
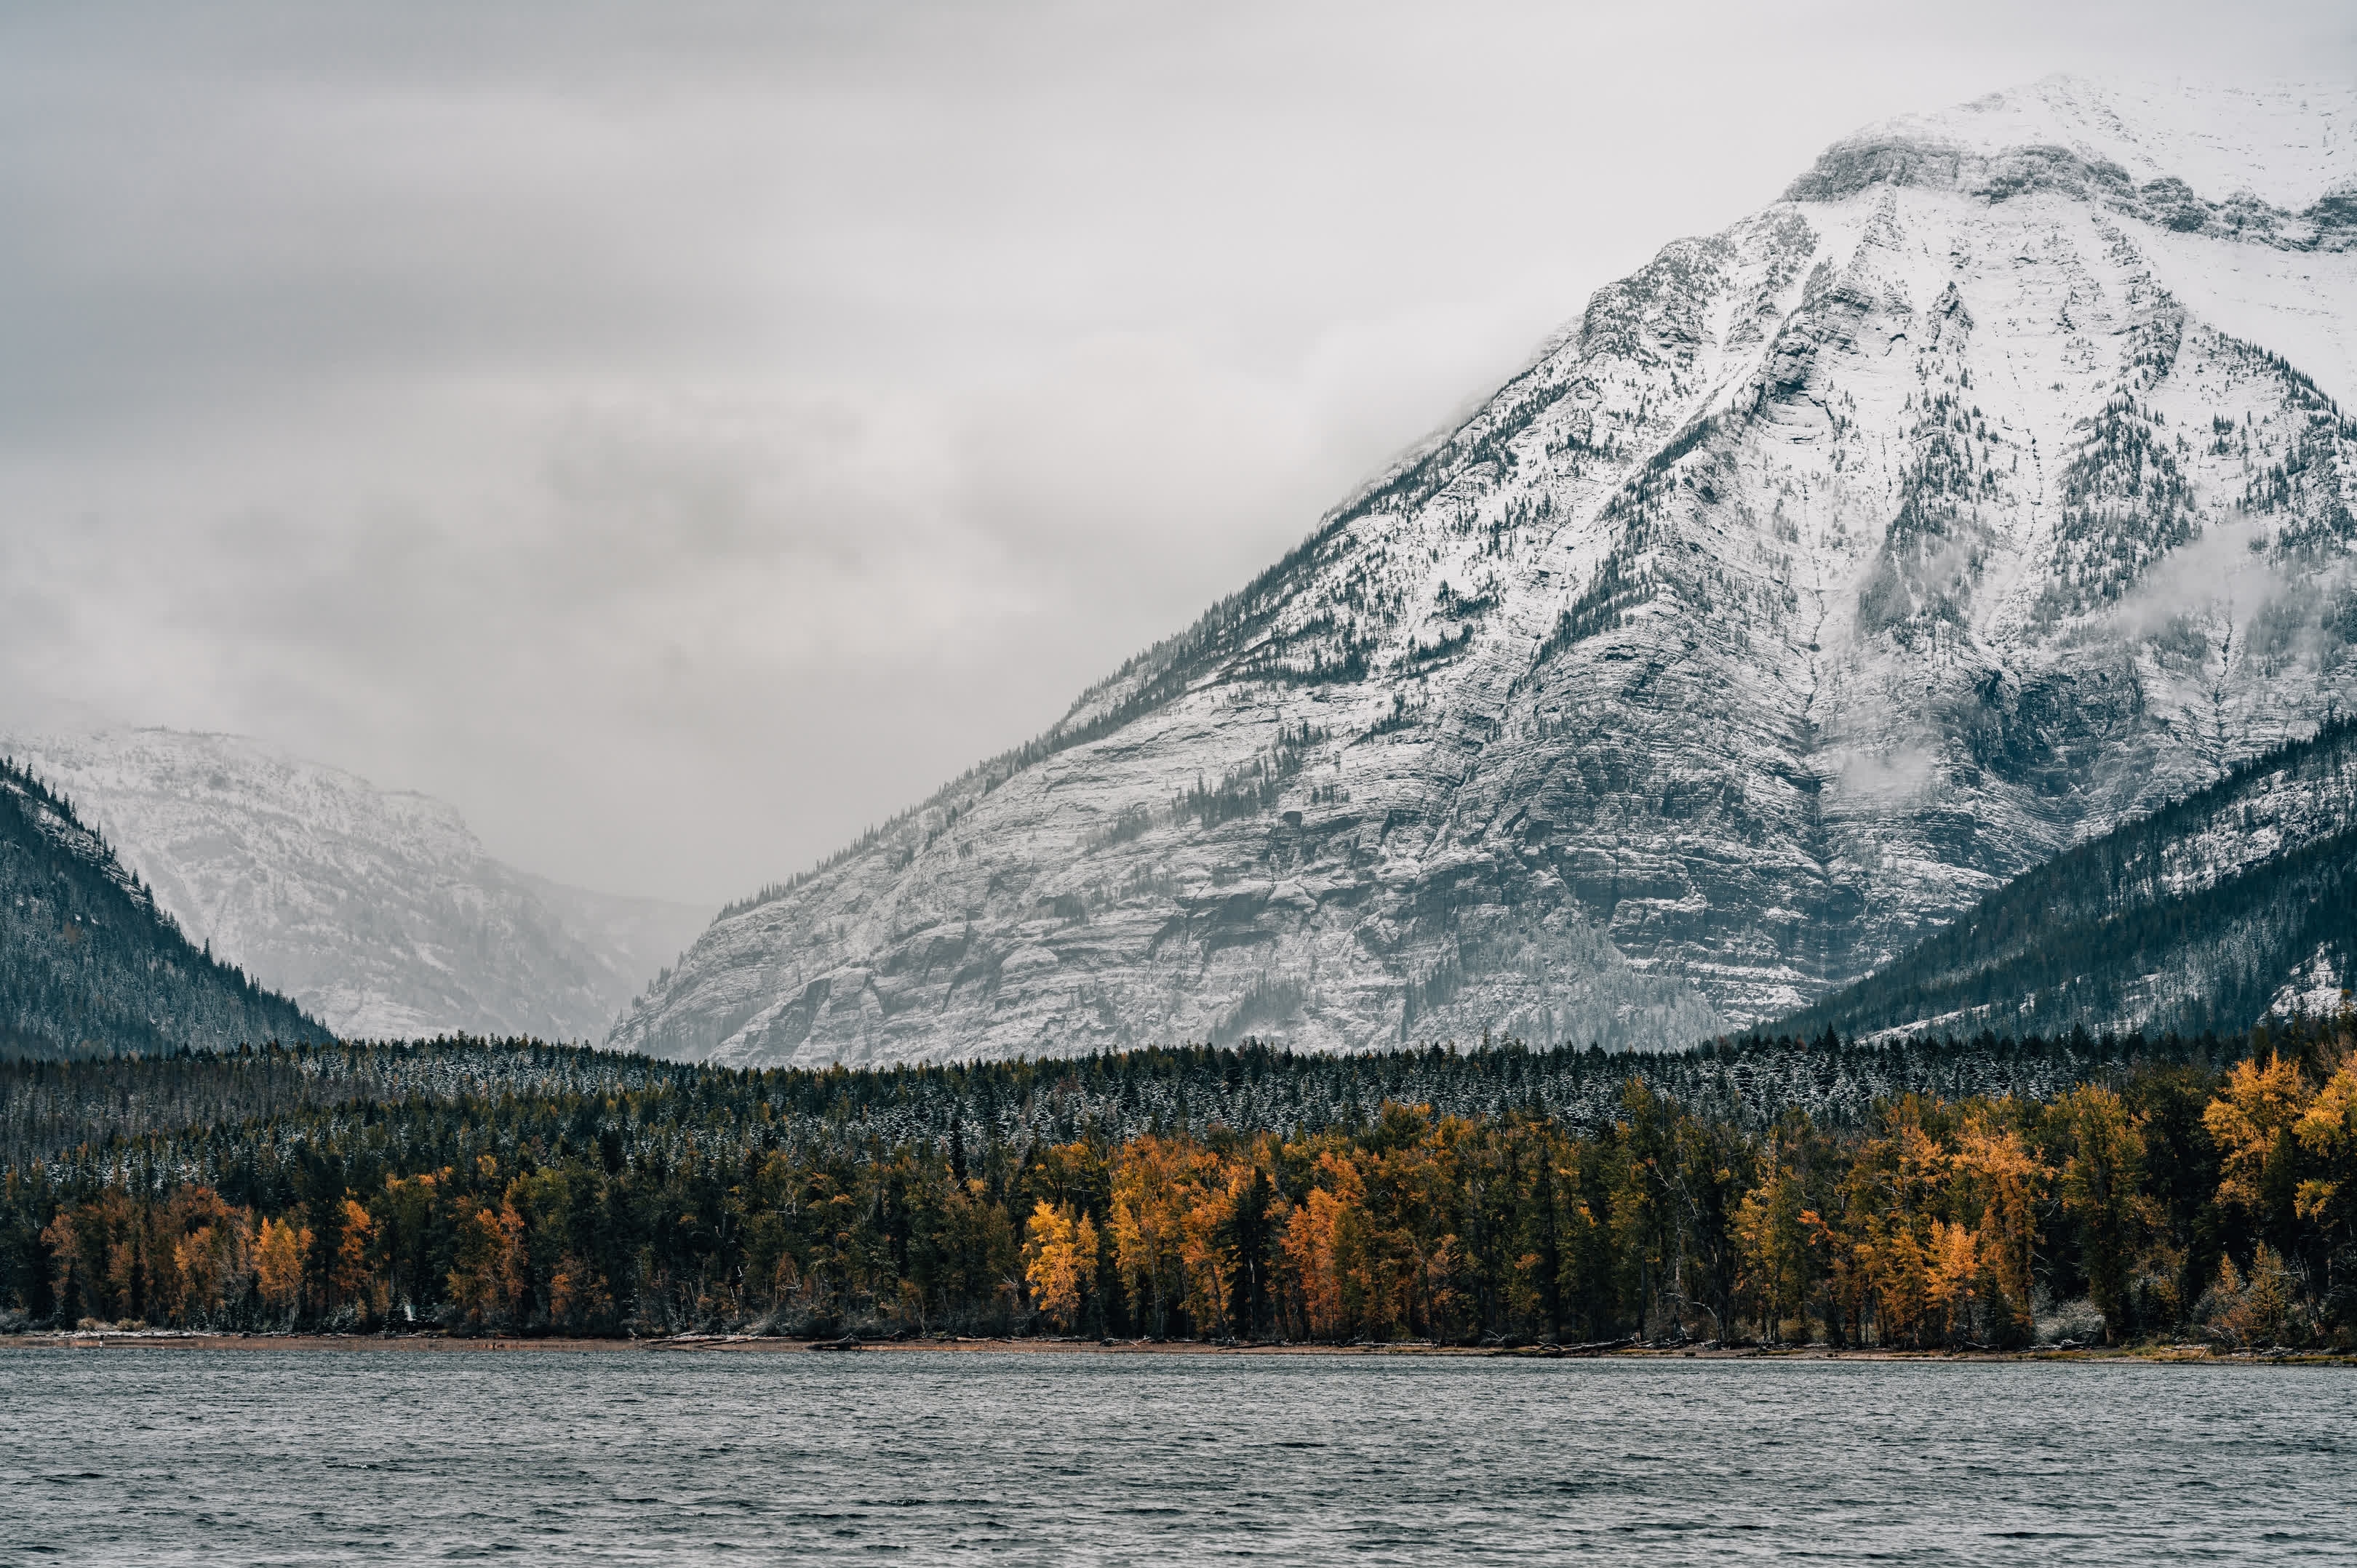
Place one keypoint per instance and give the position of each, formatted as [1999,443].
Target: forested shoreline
[1986,1193]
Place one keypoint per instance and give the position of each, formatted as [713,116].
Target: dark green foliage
[1444,645]
[178,1112]
[2190,919]
[2126,502]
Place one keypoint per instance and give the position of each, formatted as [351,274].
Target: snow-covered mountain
[1983,491]
[376,911]
[89,966]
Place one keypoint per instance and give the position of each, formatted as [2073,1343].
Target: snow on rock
[2315,989]
[2288,146]
[1825,573]
[377,911]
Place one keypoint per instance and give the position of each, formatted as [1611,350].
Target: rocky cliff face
[1828,572]
[376,911]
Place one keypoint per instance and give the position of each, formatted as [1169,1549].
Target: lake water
[138,1456]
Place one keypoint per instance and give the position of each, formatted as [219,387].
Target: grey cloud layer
[681,435]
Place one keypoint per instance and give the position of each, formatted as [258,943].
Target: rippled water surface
[266,1457]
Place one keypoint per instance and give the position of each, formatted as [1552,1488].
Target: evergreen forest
[1940,1194]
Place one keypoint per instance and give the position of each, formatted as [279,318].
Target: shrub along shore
[1978,1196]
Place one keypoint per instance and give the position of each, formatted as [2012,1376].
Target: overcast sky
[682,434]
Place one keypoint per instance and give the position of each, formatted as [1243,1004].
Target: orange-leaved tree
[1997,1185]
[352,1281]
[1060,1260]
[493,1280]
[1152,1189]
[2327,1131]
[2250,1120]
[1314,1243]
[278,1255]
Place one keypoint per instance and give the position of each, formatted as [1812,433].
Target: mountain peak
[1832,572]
[2287,145]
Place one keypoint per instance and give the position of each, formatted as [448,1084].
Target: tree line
[101,1114]
[2169,1196]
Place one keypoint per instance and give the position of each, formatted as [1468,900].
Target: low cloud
[1887,779]
[2219,574]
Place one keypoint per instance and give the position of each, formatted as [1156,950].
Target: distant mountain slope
[1825,574]
[88,964]
[2205,914]
[377,910]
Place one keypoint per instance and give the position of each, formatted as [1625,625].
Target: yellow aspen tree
[1088,1251]
[1059,1258]
[2250,1120]
[2264,1314]
[1950,1284]
[1205,1250]
[1897,1187]
[564,1291]
[492,1276]
[212,1261]
[2256,1309]
[278,1264]
[190,1254]
[68,1279]
[1305,1247]
[128,1274]
[1148,1207]
[1900,1267]
[1313,1242]
[2326,1129]
[349,1279]
[2004,1179]
[194,1221]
